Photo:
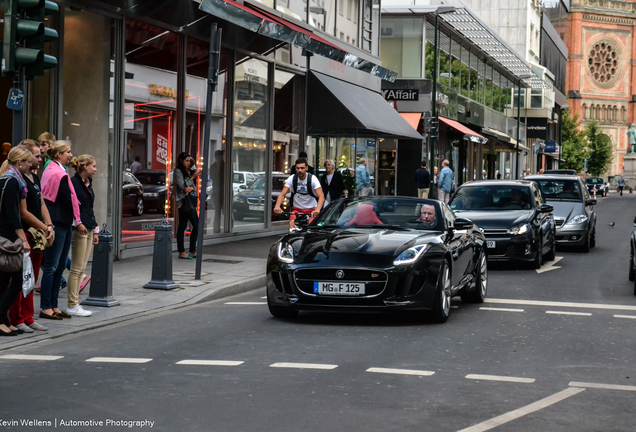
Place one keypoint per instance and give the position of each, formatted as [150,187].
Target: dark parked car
[154,183]
[250,201]
[378,254]
[573,209]
[599,183]
[518,224]
[133,200]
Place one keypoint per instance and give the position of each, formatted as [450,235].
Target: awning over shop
[500,136]
[470,134]
[412,118]
[338,106]
[282,29]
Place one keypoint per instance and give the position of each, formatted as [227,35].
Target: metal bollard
[101,293]
[162,258]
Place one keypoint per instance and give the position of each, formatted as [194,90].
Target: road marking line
[560,304]
[210,362]
[568,313]
[528,409]
[246,303]
[603,386]
[400,371]
[118,360]
[303,365]
[549,265]
[500,378]
[501,309]
[625,316]
[30,357]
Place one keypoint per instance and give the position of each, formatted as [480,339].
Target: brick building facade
[601,72]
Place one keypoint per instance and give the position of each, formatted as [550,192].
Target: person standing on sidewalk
[64,208]
[621,185]
[332,183]
[37,226]
[84,235]
[422,181]
[445,182]
[363,180]
[14,190]
[185,189]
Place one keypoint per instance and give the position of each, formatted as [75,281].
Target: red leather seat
[365,216]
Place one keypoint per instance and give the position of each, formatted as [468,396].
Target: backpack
[310,189]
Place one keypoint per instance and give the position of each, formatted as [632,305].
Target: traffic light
[25,34]
[434,130]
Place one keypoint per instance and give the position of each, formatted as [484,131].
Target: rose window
[603,62]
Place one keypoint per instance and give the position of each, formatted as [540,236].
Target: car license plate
[339,288]
[490,244]
[257,208]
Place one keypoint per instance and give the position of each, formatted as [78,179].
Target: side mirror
[590,202]
[462,224]
[243,187]
[302,222]
[546,208]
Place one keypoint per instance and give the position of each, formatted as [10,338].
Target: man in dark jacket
[423,181]
[301,155]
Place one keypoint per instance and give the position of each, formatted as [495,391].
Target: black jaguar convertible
[378,254]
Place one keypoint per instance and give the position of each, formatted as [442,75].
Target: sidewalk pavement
[227,269]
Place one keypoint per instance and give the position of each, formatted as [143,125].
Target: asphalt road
[549,351]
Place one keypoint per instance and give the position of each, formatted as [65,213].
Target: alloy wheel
[483,283]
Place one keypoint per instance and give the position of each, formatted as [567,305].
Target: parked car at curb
[513,216]
[573,209]
[601,185]
[384,253]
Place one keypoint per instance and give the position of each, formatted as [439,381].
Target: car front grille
[495,232]
[559,222]
[255,200]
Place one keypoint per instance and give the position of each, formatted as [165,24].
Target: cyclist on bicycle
[306,193]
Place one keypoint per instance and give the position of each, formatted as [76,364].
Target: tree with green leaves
[601,152]
[573,141]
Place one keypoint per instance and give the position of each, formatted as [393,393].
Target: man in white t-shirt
[304,200]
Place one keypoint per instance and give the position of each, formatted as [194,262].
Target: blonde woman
[63,205]
[84,235]
[14,191]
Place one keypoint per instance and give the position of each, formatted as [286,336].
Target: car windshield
[492,197]
[239,178]
[383,212]
[157,179]
[258,184]
[595,181]
[560,189]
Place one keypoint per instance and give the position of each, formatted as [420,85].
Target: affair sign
[401,95]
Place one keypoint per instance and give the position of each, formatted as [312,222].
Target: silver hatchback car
[573,209]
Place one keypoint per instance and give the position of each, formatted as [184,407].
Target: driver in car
[518,198]
[427,216]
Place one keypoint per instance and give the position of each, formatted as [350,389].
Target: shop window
[536,98]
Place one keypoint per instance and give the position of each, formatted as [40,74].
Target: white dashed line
[603,386]
[118,360]
[528,409]
[561,304]
[625,316]
[30,357]
[210,362]
[246,303]
[501,309]
[303,366]
[400,371]
[568,313]
[500,378]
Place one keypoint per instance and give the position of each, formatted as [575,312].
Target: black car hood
[357,245]
[496,219]
[566,209]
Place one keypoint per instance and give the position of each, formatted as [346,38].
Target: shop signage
[401,95]
[160,142]
[537,128]
[551,147]
[160,90]
[16,99]
[370,143]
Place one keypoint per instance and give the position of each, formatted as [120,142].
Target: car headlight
[410,255]
[238,199]
[519,229]
[578,219]
[285,253]
[151,194]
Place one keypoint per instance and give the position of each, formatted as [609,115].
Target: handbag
[10,252]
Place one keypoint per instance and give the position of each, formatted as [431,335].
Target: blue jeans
[53,265]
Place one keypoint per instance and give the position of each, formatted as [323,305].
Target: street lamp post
[435,137]
[517,176]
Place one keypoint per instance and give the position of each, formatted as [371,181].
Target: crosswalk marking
[568,313]
[400,371]
[500,378]
[118,360]
[500,309]
[210,362]
[603,386]
[560,304]
[303,366]
[30,357]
